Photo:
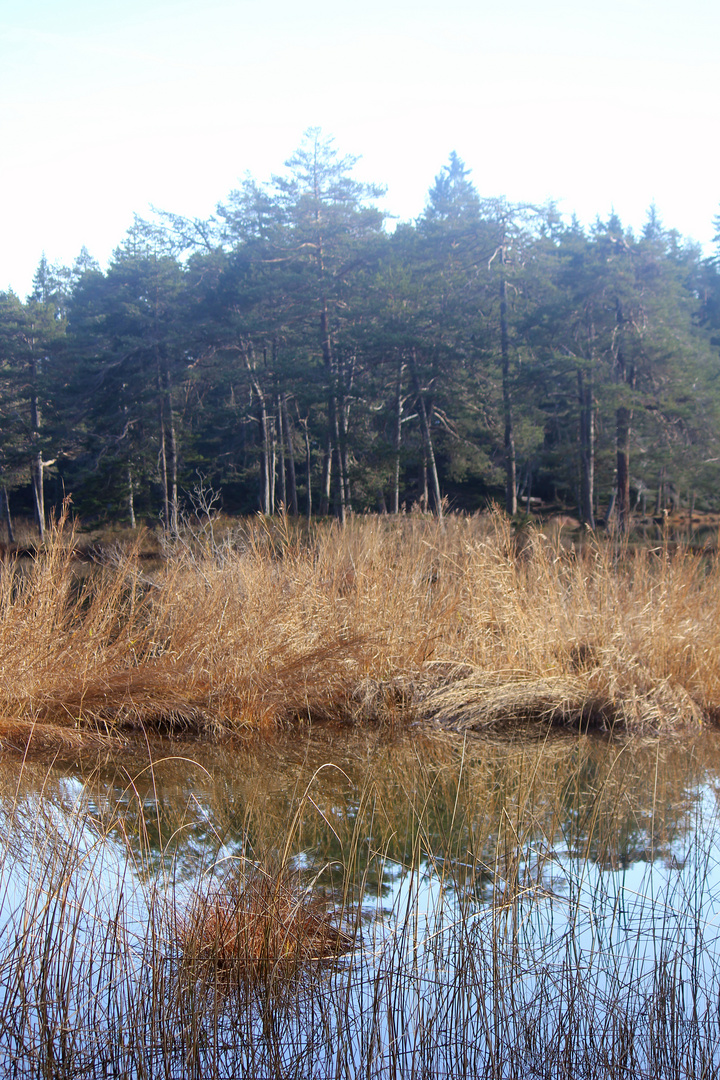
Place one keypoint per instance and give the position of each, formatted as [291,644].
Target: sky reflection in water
[517,868]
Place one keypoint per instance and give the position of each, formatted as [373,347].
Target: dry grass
[493,938]
[460,622]
[258,918]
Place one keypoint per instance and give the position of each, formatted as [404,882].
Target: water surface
[544,906]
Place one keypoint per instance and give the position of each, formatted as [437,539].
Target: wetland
[516,906]
[404,799]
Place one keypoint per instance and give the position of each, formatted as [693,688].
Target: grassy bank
[464,623]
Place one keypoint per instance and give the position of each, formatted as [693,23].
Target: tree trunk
[172,448]
[333,419]
[39,494]
[163,469]
[162,456]
[168,445]
[660,501]
[8,519]
[326,479]
[623,420]
[348,378]
[610,519]
[265,504]
[308,470]
[509,439]
[290,456]
[265,460]
[281,456]
[587,446]
[36,467]
[398,437]
[427,438]
[131,496]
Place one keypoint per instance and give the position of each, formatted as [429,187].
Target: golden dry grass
[258,918]
[455,622]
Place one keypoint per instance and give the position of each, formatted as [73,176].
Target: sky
[109,107]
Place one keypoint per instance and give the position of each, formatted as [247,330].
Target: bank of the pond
[461,623]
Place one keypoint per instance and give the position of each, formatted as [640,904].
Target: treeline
[292,351]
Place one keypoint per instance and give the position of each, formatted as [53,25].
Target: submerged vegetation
[464,622]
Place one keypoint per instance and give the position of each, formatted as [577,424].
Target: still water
[537,907]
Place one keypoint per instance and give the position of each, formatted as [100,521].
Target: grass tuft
[261,918]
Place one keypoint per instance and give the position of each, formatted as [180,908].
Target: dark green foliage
[293,352]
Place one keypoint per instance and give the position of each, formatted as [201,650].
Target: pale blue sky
[111,105]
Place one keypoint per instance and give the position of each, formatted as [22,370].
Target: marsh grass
[492,933]
[464,623]
[256,919]
[542,909]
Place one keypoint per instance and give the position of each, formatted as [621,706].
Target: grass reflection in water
[423,908]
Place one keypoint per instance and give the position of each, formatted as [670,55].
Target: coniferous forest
[295,351]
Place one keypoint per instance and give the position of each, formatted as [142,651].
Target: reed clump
[255,919]
[458,622]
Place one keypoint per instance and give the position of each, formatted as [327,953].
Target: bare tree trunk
[290,455]
[163,462]
[271,422]
[623,418]
[172,448]
[265,460]
[39,493]
[281,455]
[348,378]
[8,519]
[587,446]
[427,437]
[333,419]
[167,430]
[37,468]
[660,501]
[131,496]
[398,437]
[265,503]
[509,437]
[623,422]
[308,470]
[345,469]
[326,480]
[610,517]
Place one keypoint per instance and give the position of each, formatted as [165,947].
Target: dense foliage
[293,351]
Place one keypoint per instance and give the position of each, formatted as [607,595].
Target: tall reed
[493,931]
[462,622]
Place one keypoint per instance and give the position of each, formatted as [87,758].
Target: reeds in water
[501,939]
[258,918]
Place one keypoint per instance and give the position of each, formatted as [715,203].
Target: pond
[535,906]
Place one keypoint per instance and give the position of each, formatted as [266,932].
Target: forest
[296,351]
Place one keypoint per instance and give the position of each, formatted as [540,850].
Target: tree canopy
[294,351]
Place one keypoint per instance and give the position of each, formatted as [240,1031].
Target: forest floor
[469,623]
